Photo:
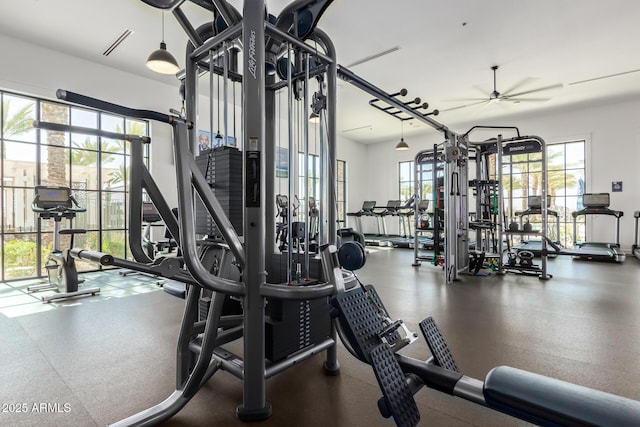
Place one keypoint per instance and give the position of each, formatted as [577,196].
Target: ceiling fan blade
[465,100]
[464,106]
[481,90]
[605,77]
[517,85]
[513,99]
[540,89]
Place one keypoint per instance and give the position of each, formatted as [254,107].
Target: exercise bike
[57,203]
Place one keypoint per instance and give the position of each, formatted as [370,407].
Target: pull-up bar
[381,95]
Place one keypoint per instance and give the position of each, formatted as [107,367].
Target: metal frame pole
[254,405]
[292,169]
[211,74]
[305,120]
[225,90]
[544,209]
[329,233]
[500,221]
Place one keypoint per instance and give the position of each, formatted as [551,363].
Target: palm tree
[56,170]
[86,153]
[116,177]
[529,180]
[18,123]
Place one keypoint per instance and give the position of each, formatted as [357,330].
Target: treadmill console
[595,200]
[150,213]
[52,197]
[368,206]
[535,202]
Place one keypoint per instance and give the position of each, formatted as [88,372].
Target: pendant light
[402,146]
[160,60]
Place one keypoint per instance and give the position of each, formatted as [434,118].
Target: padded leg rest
[177,289]
[548,401]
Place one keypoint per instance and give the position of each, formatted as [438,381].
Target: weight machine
[533,208]
[507,147]
[275,42]
[429,225]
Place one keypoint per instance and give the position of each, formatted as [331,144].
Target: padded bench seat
[177,289]
[548,401]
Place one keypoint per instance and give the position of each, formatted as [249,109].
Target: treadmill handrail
[535,211]
[597,211]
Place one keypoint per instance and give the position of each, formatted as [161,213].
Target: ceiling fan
[509,95]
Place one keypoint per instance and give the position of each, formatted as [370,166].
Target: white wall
[34,70]
[613,154]
[355,154]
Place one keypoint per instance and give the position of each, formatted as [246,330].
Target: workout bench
[371,337]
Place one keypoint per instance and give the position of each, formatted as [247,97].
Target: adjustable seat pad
[548,401]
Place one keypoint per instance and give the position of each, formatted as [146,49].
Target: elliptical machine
[57,203]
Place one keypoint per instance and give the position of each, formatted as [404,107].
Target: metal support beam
[254,405]
[376,92]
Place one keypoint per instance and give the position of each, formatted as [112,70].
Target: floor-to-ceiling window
[566,173]
[95,168]
[406,182]
[313,178]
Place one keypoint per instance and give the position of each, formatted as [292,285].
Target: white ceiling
[447,48]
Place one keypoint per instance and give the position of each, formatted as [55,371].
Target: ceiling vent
[117,42]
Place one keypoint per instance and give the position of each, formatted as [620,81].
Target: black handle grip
[76,98]
[91,256]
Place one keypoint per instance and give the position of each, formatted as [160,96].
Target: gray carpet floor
[95,360]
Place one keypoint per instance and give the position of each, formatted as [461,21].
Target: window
[566,172]
[406,188]
[566,175]
[341,195]
[407,182]
[96,169]
[313,177]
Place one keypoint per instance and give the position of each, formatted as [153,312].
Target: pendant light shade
[402,145]
[160,60]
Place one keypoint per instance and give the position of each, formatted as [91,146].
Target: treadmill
[636,243]
[369,210]
[597,204]
[534,207]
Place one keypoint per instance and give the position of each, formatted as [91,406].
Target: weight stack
[222,167]
[295,325]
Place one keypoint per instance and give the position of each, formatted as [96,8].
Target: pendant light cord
[163,26]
